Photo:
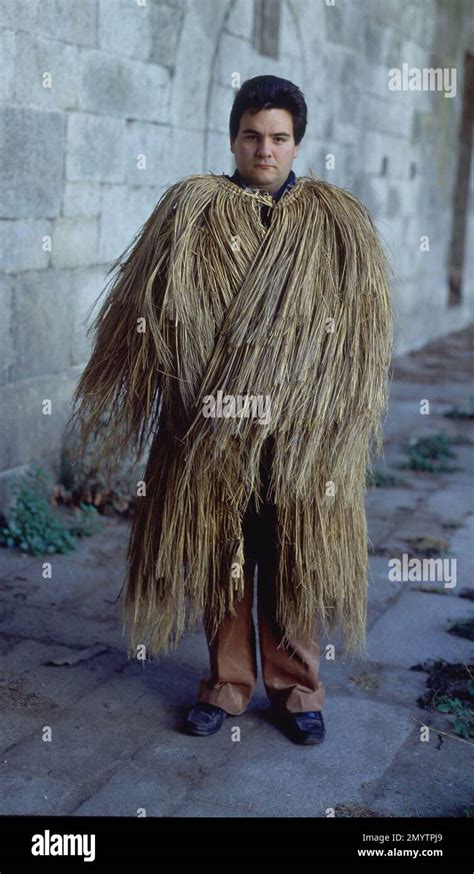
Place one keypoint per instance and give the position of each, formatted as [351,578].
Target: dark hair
[267,92]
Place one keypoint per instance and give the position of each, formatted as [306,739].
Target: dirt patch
[463,628]
[450,354]
[450,690]
[367,681]
[357,810]
[427,547]
[13,696]
[467,593]
[445,678]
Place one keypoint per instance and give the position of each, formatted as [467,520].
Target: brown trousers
[290,674]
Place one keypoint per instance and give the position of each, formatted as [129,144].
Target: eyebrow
[250,130]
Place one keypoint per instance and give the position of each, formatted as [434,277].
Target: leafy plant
[463,716]
[451,691]
[431,454]
[427,546]
[35,526]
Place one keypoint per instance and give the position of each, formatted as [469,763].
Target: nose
[264,149]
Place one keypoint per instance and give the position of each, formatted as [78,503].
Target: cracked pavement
[117,746]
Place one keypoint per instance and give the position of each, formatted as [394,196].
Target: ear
[232,144]
[297,148]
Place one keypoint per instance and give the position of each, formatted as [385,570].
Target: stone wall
[89,86]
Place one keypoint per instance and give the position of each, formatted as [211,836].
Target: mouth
[265,166]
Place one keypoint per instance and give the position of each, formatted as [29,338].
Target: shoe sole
[305,738]
[198,733]
[307,741]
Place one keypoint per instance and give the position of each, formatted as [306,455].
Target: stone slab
[414,629]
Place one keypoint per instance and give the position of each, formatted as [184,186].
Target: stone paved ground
[116,740]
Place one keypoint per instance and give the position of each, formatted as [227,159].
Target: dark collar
[236,177]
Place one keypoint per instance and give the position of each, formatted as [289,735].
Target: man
[248,337]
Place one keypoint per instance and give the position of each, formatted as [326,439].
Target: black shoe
[304,728]
[204,719]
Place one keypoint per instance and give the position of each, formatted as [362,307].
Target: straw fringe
[230,305]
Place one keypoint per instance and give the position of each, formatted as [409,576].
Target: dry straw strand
[245,319]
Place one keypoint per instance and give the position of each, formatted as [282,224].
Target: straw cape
[208,300]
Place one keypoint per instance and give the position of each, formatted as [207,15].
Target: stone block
[414,629]
[170,152]
[13,11]
[237,56]
[149,33]
[75,241]
[27,434]
[115,86]
[73,630]
[21,243]
[39,59]
[60,673]
[416,226]
[345,133]
[81,198]
[449,31]
[328,777]
[72,589]
[218,157]
[6,338]
[31,162]
[41,324]
[372,196]
[124,28]
[446,793]
[345,26]
[240,20]
[147,153]
[386,196]
[95,148]
[375,40]
[390,114]
[312,156]
[166,24]
[395,151]
[348,108]
[124,211]
[220,105]
[414,54]
[199,34]
[86,286]
[71,23]
[391,234]
[8,50]
[134,787]
[185,154]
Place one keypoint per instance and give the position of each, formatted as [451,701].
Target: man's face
[265,138]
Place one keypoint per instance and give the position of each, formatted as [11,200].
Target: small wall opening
[461,188]
[266,27]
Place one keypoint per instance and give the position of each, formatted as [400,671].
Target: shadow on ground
[115,725]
